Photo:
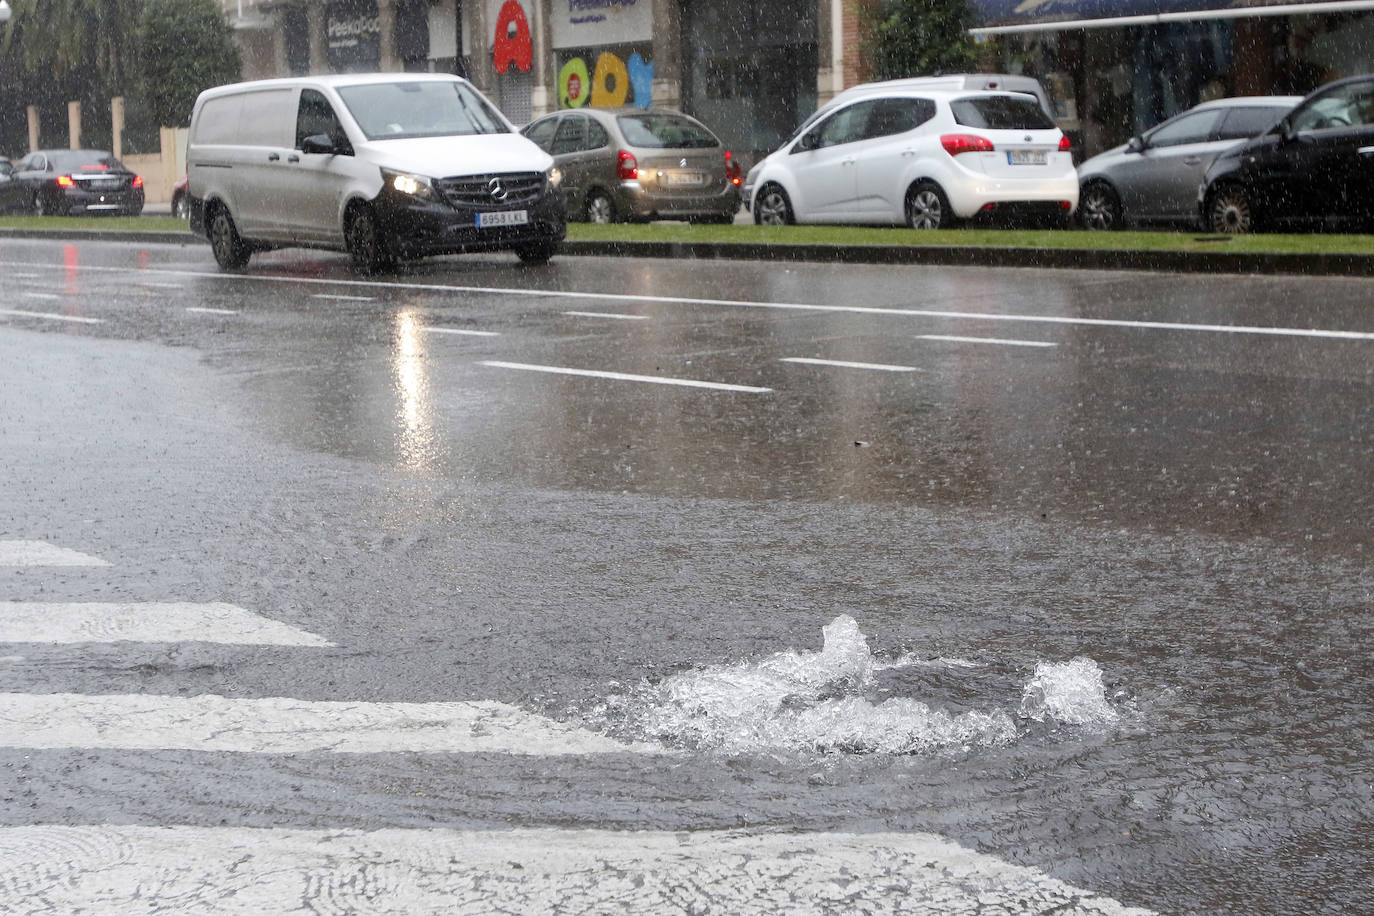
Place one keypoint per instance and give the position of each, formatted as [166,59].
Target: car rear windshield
[1001,112]
[89,160]
[660,131]
[407,109]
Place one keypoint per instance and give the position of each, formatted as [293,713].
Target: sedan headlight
[408,184]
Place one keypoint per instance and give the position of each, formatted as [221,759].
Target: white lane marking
[626,377]
[343,298]
[744,303]
[32,295]
[26,276]
[281,725]
[51,316]
[199,310]
[227,624]
[41,553]
[253,870]
[463,331]
[988,340]
[846,364]
[152,285]
[612,315]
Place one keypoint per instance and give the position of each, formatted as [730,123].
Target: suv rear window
[658,131]
[1001,112]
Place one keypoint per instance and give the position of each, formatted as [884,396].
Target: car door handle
[1192,160]
[908,152]
[293,158]
[273,157]
[847,161]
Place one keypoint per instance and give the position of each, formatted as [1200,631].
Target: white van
[385,166]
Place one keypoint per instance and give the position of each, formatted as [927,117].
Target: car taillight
[138,181]
[65,181]
[626,166]
[955,144]
[732,170]
[1064,144]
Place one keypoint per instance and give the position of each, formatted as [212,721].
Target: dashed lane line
[50,316]
[1002,341]
[463,332]
[244,870]
[847,364]
[1066,320]
[201,310]
[615,316]
[282,725]
[88,622]
[625,377]
[41,553]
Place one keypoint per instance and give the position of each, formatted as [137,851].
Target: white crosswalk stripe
[127,869]
[226,624]
[41,553]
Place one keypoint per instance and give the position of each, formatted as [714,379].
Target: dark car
[65,182]
[1154,177]
[1314,169]
[639,164]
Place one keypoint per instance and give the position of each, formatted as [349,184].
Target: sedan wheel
[600,209]
[928,208]
[1100,207]
[772,207]
[1230,212]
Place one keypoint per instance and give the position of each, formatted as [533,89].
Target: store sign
[612,83]
[353,32]
[512,43]
[594,23]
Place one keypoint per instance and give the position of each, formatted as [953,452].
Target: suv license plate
[686,179]
[1025,157]
[503,218]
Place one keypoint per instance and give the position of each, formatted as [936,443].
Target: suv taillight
[626,166]
[732,170]
[955,144]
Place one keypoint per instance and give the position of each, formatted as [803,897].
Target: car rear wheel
[44,204]
[231,253]
[927,207]
[181,206]
[600,208]
[1099,207]
[772,207]
[1230,211]
[364,241]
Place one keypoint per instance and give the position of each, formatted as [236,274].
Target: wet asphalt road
[562,488]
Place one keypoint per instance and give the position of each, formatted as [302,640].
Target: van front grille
[504,189]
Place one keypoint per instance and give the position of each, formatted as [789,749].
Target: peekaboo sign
[512,43]
[612,83]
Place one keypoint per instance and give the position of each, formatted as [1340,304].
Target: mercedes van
[384,166]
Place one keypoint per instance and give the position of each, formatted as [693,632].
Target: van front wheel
[365,244]
[231,253]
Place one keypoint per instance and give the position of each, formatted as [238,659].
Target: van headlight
[408,184]
[554,176]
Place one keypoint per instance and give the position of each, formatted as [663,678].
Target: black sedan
[1314,169]
[68,182]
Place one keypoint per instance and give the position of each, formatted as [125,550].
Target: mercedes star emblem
[497,190]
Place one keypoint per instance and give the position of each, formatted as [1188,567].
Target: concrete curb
[1339,265]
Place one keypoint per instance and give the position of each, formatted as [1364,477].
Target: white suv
[919,157]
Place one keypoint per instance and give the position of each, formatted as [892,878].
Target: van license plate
[686,179]
[503,218]
[1025,157]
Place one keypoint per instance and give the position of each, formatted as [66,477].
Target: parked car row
[372,163]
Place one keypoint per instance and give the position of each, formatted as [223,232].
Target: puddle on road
[827,702]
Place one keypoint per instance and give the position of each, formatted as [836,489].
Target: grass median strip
[686,234]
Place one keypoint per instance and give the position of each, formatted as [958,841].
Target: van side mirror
[1136,144]
[809,141]
[318,143]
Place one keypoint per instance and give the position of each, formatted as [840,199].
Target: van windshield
[408,109]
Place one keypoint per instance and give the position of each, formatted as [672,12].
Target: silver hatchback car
[639,164]
[1154,178]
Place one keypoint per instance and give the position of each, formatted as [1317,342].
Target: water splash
[810,702]
[1070,693]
